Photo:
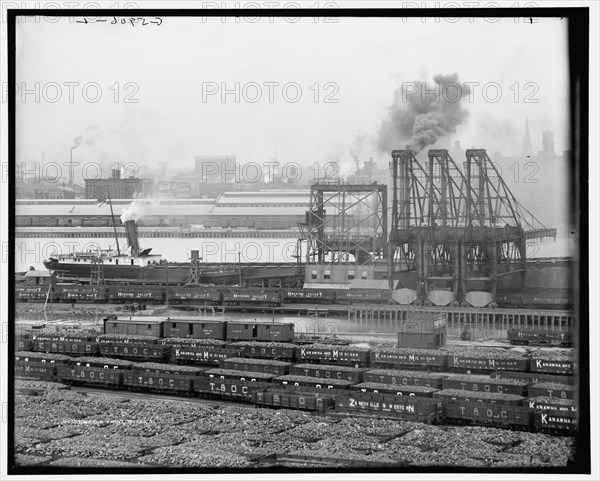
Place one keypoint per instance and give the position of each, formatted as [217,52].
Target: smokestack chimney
[548,143]
[132,237]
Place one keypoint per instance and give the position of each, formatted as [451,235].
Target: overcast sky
[362,61]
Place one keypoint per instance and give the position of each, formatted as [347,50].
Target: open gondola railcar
[195,295]
[261,297]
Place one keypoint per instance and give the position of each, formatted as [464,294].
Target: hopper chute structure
[345,232]
[459,231]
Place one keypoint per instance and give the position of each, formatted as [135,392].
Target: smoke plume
[91,133]
[133,211]
[357,147]
[421,114]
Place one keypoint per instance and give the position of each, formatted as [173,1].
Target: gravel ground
[66,428]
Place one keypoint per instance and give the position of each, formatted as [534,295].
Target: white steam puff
[133,211]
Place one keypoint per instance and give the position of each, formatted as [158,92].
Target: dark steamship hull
[179,273]
[173,273]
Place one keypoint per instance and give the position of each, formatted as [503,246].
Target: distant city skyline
[159,97]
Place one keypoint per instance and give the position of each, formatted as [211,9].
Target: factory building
[119,188]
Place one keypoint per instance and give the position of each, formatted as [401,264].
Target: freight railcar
[179,382]
[38,365]
[135,351]
[90,375]
[134,326]
[23,342]
[483,362]
[203,355]
[408,395]
[195,295]
[44,221]
[237,331]
[95,222]
[269,366]
[194,328]
[278,398]
[553,365]
[237,375]
[540,336]
[267,350]
[83,293]
[35,294]
[69,347]
[149,294]
[563,423]
[324,354]
[532,298]
[298,383]
[22,221]
[479,383]
[313,296]
[234,389]
[410,408]
[409,358]
[366,296]
[534,377]
[497,414]
[263,297]
[395,389]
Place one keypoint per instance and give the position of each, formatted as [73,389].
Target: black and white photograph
[299,238]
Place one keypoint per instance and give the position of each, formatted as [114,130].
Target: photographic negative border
[578,46]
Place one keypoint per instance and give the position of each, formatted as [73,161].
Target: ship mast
[112,214]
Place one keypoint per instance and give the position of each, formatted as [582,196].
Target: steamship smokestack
[132,237]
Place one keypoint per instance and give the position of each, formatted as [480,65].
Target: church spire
[527,149]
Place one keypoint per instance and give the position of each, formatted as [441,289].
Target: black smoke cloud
[90,137]
[421,114]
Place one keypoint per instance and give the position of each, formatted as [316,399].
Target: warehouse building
[254,210]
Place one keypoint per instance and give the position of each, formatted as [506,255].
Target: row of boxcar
[195,328]
[211,295]
[544,366]
[56,221]
[252,222]
[205,295]
[416,396]
[219,221]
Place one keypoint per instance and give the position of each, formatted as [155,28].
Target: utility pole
[112,214]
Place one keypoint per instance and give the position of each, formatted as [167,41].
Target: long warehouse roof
[95,210]
[164,210]
[269,203]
